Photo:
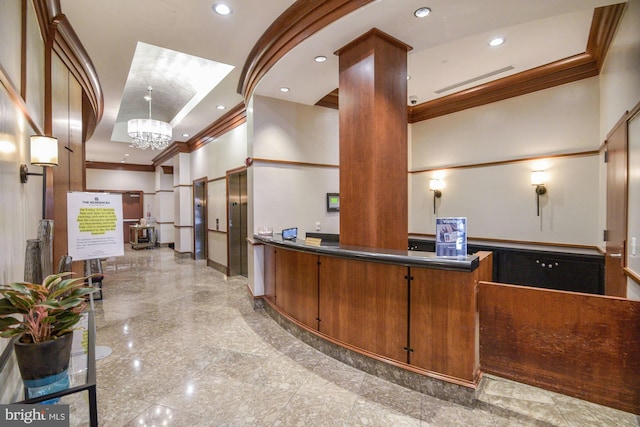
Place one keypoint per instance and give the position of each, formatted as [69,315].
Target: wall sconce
[538,178]
[435,185]
[44,152]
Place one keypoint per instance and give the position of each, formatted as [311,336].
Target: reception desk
[410,309]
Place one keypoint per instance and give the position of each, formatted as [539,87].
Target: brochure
[451,237]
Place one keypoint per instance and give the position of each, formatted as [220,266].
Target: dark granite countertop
[388,256]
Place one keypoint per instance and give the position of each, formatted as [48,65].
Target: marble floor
[188,349]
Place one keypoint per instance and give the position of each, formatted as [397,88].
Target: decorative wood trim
[220,178]
[164,191]
[23,50]
[18,101]
[70,50]
[300,21]
[518,242]
[374,32]
[330,100]
[557,73]
[182,226]
[182,186]
[576,344]
[211,230]
[164,223]
[167,170]
[506,162]
[291,163]
[635,110]
[119,166]
[603,28]
[175,148]
[632,275]
[232,119]
[254,242]
[60,37]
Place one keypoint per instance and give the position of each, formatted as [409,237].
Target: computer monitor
[290,234]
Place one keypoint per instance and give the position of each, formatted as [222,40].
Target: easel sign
[94,224]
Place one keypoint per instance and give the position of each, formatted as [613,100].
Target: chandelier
[149,133]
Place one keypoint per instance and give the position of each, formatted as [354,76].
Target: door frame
[205,204]
[617,184]
[230,172]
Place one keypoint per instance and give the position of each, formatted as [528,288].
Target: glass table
[82,371]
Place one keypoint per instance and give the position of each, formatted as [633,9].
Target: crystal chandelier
[149,133]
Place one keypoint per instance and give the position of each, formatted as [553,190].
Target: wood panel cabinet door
[365,304]
[297,285]
[443,322]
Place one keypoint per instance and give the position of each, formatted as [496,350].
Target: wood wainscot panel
[270,273]
[443,328]
[365,304]
[582,345]
[297,285]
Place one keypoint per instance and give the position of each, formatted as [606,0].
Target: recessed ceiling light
[127,154]
[408,77]
[284,89]
[221,107]
[222,9]
[496,41]
[422,12]
[186,135]
[320,58]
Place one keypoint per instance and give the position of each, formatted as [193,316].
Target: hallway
[189,350]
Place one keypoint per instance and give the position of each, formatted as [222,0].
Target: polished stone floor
[189,350]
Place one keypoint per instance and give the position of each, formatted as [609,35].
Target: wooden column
[373,142]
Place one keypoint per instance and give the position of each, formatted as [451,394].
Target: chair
[94,267]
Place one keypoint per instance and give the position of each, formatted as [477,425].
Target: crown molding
[588,64]
[300,21]
[119,166]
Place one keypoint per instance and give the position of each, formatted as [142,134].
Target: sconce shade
[538,177]
[44,150]
[435,184]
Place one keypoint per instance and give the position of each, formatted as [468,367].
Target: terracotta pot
[41,360]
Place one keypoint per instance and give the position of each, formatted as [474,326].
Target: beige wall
[499,201]
[225,153]
[20,204]
[294,195]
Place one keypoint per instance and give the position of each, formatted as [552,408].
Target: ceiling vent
[475,79]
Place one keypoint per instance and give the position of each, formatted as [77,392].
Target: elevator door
[237,235]
[200,219]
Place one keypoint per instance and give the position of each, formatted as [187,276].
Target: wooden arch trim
[300,21]
[230,120]
[60,37]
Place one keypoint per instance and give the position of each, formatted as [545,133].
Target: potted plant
[42,316]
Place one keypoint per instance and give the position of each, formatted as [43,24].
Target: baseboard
[217,266]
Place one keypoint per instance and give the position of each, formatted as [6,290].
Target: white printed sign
[94,224]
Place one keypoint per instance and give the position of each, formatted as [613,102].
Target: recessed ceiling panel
[179,82]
